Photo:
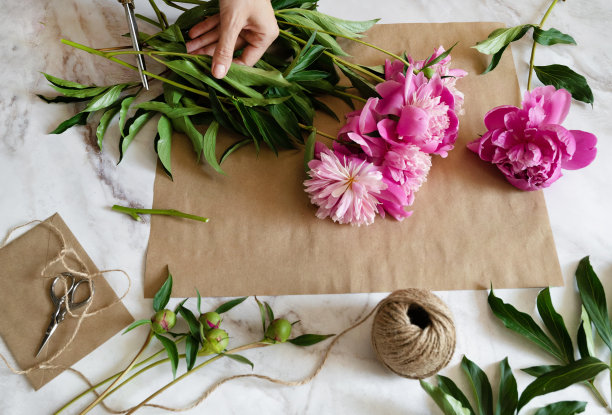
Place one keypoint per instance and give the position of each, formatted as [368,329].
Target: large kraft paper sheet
[26,305]
[470,228]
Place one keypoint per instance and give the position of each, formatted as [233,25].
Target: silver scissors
[60,302]
[128,5]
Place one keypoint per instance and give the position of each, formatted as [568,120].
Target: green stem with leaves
[533,48]
[121,376]
[135,212]
[357,68]
[200,366]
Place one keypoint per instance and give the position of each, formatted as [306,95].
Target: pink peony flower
[344,188]
[529,145]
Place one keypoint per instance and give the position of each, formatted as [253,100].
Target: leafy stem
[377,78]
[533,48]
[201,365]
[311,128]
[135,212]
[121,376]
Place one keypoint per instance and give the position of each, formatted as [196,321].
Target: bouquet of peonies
[383,153]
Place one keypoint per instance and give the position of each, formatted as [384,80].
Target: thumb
[229,29]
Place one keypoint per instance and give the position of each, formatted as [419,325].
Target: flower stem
[596,393]
[121,376]
[134,212]
[288,35]
[201,365]
[351,96]
[310,128]
[533,48]
[386,52]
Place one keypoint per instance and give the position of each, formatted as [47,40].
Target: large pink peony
[529,145]
[344,188]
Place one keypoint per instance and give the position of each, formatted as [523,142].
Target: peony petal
[367,120]
[413,121]
[585,150]
[495,118]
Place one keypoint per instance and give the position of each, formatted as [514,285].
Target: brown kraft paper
[470,228]
[26,305]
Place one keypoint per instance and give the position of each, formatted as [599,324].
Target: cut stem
[201,365]
[135,212]
[121,376]
[533,47]
[596,393]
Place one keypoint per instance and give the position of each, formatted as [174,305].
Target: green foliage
[161,298]
[309,339]
[560,76]
[225,307]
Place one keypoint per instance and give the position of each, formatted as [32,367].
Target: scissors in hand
[60,302]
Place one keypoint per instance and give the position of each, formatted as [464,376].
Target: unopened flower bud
[163,321]
[210,320]
[429,72]
[279,330]
[217,340]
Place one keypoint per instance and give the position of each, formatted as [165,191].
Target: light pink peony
[344,188]
[529,145]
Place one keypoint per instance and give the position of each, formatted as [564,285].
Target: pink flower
[344,189]
[529,145]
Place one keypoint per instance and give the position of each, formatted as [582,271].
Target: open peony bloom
[529,145]
[344,188]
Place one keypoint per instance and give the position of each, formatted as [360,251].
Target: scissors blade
[128,5]
[50,330]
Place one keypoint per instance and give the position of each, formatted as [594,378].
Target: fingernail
[219,71]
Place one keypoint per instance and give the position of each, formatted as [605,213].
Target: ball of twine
[413,333]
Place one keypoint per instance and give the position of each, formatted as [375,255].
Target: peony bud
[210,320]
[163,321]
[429,72]
[279,330]
[217,340]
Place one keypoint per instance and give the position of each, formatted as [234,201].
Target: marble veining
[41,174]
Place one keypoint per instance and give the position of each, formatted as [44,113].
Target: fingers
[204,26]
[229,29]
[210,49]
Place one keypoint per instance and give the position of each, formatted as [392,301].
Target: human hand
[248,24]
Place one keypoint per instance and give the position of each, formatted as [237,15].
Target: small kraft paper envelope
[26,305]
[470,227]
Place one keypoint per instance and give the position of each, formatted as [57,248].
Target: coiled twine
[413,333]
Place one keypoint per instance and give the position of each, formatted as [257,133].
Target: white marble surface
[41,174]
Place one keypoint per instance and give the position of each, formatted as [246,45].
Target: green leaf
[480,386]
[125,107]
[197,14]
[60,99]
[163,144]
[438,58]
[170,347]
[286,119]
[172,94]
[307,58]
[250,76]
[448,404]
[163,295]
[170,111]
[225,307]
[240,359]
[578,371]
[594,299]
[192,321]
[307,76]
[233,148]
[78,119]
[262,312]
[561,76]
[197,139]
[555,325]
[538,371]
[66,84]
[495,60]
[551,37]
[191,351]
[352,29]
[500,38]
[137,323]
[81,93]
[133,126]
[309,339]
[269,312]
[105,99]
[585,335]
[309,149]
[449,387]
[199,301]
[210,145]
[190,71]
[262,102]
[508,391]
[562,408]
[365,87]
[105,120]
[320,105]
[312,27]
[172,34]
[523,324]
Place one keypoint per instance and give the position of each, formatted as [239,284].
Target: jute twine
[413,333]
[64,256]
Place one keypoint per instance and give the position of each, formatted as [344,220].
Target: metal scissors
[60,302]
[128,5]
